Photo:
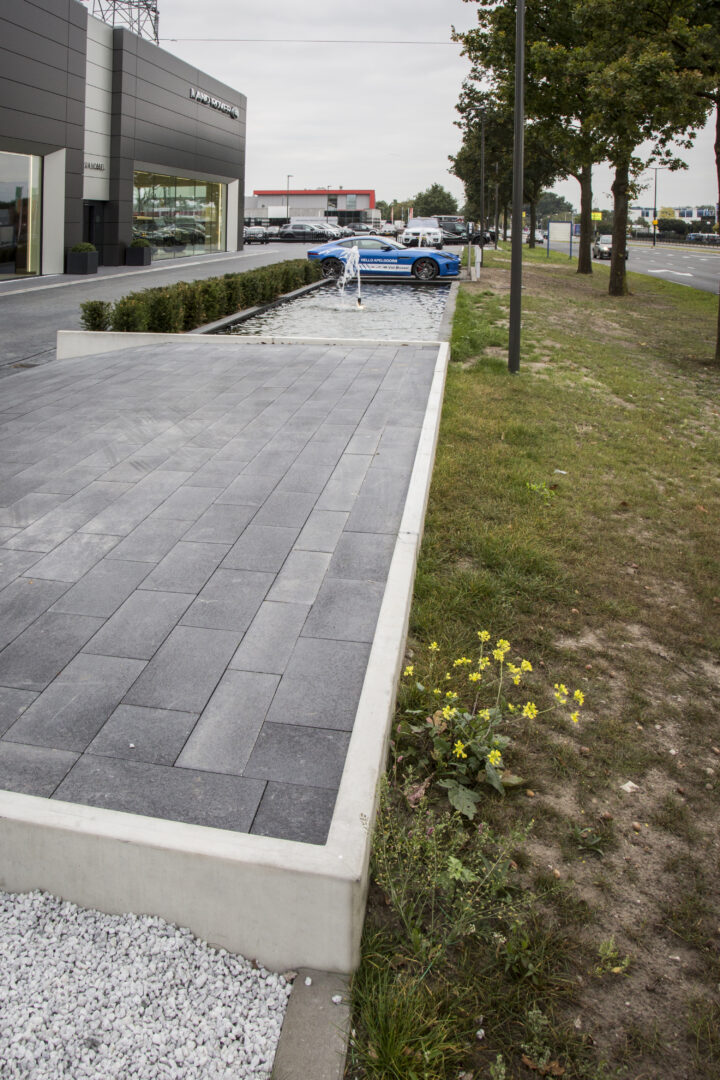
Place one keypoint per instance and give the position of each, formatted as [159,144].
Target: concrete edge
[284,903]
[316,1029]
[445,331]
[248,313]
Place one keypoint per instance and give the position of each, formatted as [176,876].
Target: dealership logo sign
[97,166]
[214,103]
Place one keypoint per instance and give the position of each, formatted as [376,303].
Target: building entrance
[19,214]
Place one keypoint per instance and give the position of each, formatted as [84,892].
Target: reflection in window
[19,214]
[177,215]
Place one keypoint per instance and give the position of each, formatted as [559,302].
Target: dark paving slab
[194,544]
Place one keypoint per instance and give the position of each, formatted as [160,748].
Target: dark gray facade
[155,122]
[42,89]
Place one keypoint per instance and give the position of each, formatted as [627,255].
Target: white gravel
[87,996]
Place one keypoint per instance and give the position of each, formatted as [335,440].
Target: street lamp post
[287,196]
[655,210]
[518,174]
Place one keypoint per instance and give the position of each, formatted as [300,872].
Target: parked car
[255,234]
[602,248]
[380,257]
[482,236]
[422,236]
[300,231]
[539,237]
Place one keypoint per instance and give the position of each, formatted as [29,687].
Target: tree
[434,200]
[549,205]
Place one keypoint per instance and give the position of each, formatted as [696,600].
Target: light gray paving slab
[7,533]
[345,610]
[185,670]
[322,531]
[269,462]
[217,473]
[40,653]
[248,490]
[286,508]
[336,666]
[22,512]
[23,601]
[103,589]
[343,487]
[188,503]
[186,567]
[300,578]
[295,812]
[362,556]
[74,557]
[139,627]
[261,547]
[150,541]
[61,522]
[288,754]
[130,509]
[139,734]
[221,524]
[73,708]
[225,734]
[12,704]
[379,506]
[308,478]
[14,563]
[33,770]
[229,601]
[271,638]
[137,787]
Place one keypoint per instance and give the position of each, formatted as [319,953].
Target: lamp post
[655,210]
[287,196]
[518,171]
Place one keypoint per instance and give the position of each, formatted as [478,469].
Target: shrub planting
[189,304]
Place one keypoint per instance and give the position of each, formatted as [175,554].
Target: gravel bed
[87,996]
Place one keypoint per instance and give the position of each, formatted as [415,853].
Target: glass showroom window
[177,215]
[19,214]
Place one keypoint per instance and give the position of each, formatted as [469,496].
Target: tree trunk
[533,220]
[621,200]
[584,256]
[717,210]
[505,222]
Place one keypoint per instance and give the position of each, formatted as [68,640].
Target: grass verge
[566,927]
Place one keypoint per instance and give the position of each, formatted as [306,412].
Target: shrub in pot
[139,253]
[82,258]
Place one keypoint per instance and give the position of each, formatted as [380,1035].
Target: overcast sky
[354,115]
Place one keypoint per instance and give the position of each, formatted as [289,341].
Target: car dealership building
[105,137]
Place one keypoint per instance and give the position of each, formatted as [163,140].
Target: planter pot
[82,262]
[138,256]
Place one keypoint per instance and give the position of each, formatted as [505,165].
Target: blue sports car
[380,257]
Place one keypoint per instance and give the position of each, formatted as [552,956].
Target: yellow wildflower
[474,676]
[448,712]
[437,691]
[579,697]
[484,714]
[462,660]
[516,680]
[483,662]
[575,716]
[530,710]
[434,646]
[408,670]
[483,635]
[525,665]
[503,645]
[495,758]
[451,694]
[459,750]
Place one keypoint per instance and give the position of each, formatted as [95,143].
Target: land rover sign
[214,103]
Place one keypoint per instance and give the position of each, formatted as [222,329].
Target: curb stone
[314,1036]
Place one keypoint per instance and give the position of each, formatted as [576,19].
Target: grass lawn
[569,927]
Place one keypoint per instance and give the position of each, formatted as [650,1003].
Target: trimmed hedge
[189,304]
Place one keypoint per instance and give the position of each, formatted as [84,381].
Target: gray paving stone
[73,708]
[74,557]
[345,484]
[22,602]
[42,651]
[221,524]
[150,541]
[321,685]
[188,503]
[248,490]
[270,462]
[225,734]
[323,451]
[322,531]
[138,734]
[365,443]
[138,787]
[130,509]
[70,481]
[300,578]
[308,478]
[186,567]
[103,589]
[13,563]
[229,601]
[33,770]
[380,504]
[294,812]
[261,547]
[61,522]
[273,633]
[7,533]
[345,610]
[185,670]
[22,512]
[217,473]
[288,754]
[188,459]
[12,704]
[286,508]
[139,627]
[362,556]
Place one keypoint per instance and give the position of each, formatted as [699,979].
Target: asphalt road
[697,268]
[33,309]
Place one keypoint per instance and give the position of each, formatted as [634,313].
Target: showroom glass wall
[20,177]
[179,216]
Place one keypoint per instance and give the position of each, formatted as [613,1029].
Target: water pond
[402,311]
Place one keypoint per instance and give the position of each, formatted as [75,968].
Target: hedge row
[188,304]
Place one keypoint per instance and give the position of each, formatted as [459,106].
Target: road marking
[667,270]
